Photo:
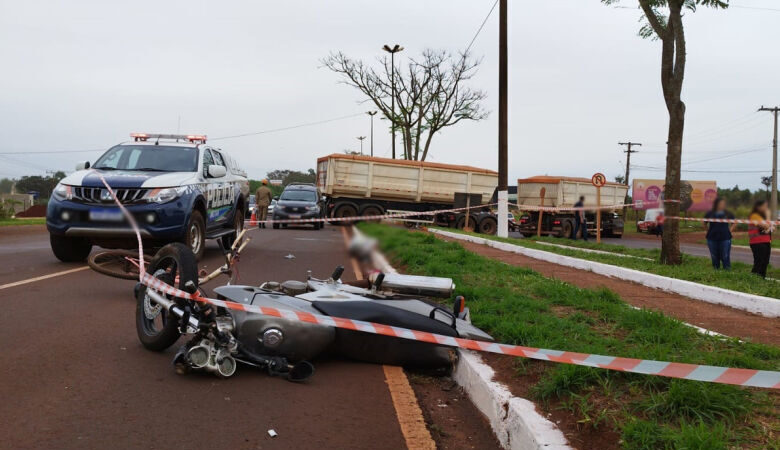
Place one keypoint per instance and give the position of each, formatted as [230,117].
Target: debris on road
[290,256]
[272,433]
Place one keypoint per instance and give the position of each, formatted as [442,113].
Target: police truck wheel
[70,249]
[238,227]
[195,235]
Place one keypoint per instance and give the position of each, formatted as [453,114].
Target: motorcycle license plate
[105,215]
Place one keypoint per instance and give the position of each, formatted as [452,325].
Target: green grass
[745,242]
[693,268]
[32,221]
[519,306]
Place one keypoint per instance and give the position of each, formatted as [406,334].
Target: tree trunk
[670,243]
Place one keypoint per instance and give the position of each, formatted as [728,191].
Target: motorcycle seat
[383,314]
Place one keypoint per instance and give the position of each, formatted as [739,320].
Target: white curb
[514,420]
[764,306]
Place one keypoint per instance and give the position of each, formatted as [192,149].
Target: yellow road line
[407,411]
[42,277]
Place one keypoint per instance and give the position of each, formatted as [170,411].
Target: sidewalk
[721,319]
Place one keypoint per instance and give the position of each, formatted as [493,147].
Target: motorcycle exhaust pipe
[172,307]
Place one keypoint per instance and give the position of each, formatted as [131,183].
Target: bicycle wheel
[116,263]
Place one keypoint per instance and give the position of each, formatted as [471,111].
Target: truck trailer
[565,192]
[357,185]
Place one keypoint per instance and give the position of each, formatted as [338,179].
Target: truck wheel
[276,226]
[70,249]
[195,235]
[238,226]
[488,225]
[345,210]
[461,223]
[566,229]
[372,210]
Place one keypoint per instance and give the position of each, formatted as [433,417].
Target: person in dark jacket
[719,234]
[579,220]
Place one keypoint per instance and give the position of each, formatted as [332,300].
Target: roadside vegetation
[12,222]
[519,306]
[693,268]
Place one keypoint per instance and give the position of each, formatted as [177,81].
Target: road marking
[410,416]
[41,278]
[407,411]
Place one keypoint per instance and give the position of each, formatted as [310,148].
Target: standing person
[659,224]
[579,220]
[760,238]
[719,234]
[263,198]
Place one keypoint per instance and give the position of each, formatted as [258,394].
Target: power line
[45,152]
[760,8]
[292,127]
[479,30]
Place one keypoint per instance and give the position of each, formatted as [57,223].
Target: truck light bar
[143,137]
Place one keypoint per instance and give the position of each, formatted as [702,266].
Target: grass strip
[32,221]
[519,306]
[693,268]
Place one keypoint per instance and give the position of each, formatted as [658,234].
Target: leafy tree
[620,179]
[429,94]
[43,185]
[662,20]
[767,182]
[6,185]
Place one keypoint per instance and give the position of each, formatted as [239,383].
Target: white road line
[42,277]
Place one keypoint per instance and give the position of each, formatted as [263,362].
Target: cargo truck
[565,192]
[356,185]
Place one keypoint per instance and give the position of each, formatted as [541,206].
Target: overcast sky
[82,75]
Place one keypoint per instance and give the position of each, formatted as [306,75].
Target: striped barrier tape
[372,217]
[696,372]
[747,221]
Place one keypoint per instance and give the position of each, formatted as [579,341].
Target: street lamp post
[360,138]
[503,143]
[395,49]
[372,114]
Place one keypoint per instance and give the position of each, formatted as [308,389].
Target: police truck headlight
[165,195]
[62,192]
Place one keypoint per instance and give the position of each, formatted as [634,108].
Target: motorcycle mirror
[300,371]
[378,281]
[190,287]
[337,273]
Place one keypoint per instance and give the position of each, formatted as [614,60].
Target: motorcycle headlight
[164,195]
[63,192]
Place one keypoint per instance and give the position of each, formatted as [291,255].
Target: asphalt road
[75,376]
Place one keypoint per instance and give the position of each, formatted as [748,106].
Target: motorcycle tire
[154,336]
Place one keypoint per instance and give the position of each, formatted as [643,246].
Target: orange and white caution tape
[712,374]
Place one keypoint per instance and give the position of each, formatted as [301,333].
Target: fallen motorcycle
[220,337]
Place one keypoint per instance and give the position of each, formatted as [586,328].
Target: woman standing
[719,235]
[760,237]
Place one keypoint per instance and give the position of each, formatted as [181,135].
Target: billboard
[694,195]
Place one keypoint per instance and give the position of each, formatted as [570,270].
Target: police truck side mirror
[216,171]
[82,165]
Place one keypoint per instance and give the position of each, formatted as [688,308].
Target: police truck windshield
[299,196]
[157,158]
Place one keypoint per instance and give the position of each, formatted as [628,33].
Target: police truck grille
[101,195]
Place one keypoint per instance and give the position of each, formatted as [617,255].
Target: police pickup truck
[177,188]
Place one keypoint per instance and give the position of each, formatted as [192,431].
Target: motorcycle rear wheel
[157,328]
[116,263]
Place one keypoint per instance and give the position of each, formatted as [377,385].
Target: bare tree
[767,182]
[429,94]
[663,21]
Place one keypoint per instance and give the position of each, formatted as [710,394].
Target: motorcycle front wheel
[157,328]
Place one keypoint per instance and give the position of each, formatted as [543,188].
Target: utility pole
[773,202]
[360,138]
[372,114]
[503,59]
[628,153]
[395,49]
